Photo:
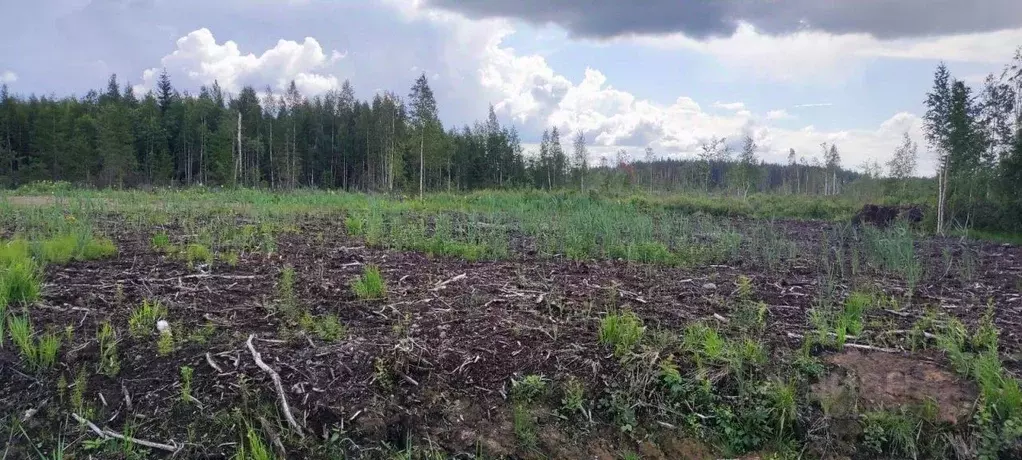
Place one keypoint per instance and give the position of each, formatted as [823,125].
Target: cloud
[729,105]
[8,76]
[529,90]
[721,18]
[818,104]
[200,59]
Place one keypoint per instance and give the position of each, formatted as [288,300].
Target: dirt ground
[452,335]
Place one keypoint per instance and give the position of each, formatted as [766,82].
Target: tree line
[115,138]
[978,141]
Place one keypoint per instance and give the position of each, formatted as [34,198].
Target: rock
[709,286]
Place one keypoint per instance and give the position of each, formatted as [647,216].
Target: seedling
[622,331]
[370,285]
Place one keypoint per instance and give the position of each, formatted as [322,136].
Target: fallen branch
[106,434]
[209,359]
[792,335]
[276,382]
[441,284]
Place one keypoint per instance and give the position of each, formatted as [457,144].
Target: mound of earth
[883,216]
[878,381]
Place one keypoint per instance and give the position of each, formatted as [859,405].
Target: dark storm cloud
[706,18]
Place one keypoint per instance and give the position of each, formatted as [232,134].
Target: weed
[524,427]
[196,252]
[623,331]
[165,344]
[202,335]
[573,399]
[143,319]
[21,334]
[528,388]
[161,241]
[21,281]
[370,285]
[186,383]
[891,433]
[329,328]
[49,345]
[287,299]
[231,258]
[78,393]
[109,363]
[382,374]
[856,304]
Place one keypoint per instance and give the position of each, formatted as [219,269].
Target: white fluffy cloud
[202,60]
[729,105]
[8,76]
[528,89]
[820,56]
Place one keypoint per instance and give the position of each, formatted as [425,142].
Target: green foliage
[143,319]
[891,433]
[524,427]
[252,447]
[528,388]
[196,252]
[109,362]
[370,285]
[165,343]
[573,396]
[186,384]
[21,281]
[622,331]
[161,241]
[286,296]
[49,345]
[21,334]
[329,328]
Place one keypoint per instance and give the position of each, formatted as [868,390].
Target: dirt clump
[878,381]
[883,216]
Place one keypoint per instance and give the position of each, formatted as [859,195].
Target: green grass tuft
[622,331]
[370,285]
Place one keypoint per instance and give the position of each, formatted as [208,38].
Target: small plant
[109,363]
[573,400]
[21,334]
[202,335]
[49,345]
[381,374]
[329,328]
[622,331]
[21,281]
[528,388]
[161,241]
[142,322]
[78,393]
[196,252]
[286,290]
[891,433]
[231,258]
[370,285]
[252,447]
[165,344]
[186,383]
[856,304]
[524,427]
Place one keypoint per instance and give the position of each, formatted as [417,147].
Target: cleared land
[500,325]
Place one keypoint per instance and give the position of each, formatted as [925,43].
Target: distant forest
[166,137]
[115,138]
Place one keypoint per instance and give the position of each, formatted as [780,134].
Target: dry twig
[276,382]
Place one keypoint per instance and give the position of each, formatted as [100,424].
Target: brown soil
[450,350]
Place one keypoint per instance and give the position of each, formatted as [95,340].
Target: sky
[666,74]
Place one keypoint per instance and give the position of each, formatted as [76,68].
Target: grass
[370,285]
[287,299]
[621,331]
[528,388]
[109,362]
[21,281]
[186,384]
[142,322]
